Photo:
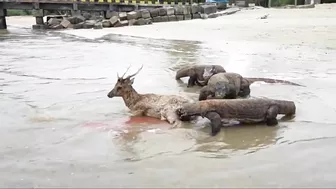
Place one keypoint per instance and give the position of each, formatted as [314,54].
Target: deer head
[123,85]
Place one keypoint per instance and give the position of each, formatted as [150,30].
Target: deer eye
[118,88]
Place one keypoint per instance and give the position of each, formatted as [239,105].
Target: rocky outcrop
[89,20]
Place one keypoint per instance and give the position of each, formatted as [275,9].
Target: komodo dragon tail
[183,72]
[269,80]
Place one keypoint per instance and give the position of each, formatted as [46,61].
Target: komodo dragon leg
[271,115]
[191,81]
[216,122]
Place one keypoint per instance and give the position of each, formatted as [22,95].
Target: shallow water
[59,128]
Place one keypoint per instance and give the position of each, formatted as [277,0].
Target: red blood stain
[127,122]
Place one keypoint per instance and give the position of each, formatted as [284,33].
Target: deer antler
[128,77]
[125,71]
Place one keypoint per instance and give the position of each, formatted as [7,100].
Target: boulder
[78,26]
[88,24]
[172,18]
[196,16]
[56,27]
[106,23]
[149,21]
[154,12]
[114,20]
[131,22]
[87,15]
[145,14]
[181,9]
[133,15]
[140,22]
[66,23]
[98,25]
[54,21]
[76,19]
[157,19]
[164,11]
[170,11]
[208,9]
[179,17]
[187,17]
[109,14]
[195,8]
[164,19]
[121,23]
[122,16]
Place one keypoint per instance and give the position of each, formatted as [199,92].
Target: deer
[162,107]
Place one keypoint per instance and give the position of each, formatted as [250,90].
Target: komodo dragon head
[123,85]
[208,72]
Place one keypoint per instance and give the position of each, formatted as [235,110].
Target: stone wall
[133,18]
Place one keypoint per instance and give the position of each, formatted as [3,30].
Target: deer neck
[131,97]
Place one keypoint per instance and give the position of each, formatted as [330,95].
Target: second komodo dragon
[198,74]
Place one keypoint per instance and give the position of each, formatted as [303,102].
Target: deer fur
[152,105]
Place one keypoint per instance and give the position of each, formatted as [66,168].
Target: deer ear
[131,81]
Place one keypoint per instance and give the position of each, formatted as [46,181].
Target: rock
[54,21]
[87,15]
[78,26]
[164,18]
[170,11]
[98,25]
[106,23]
[145,14]
[208,9]
[154,12]
[122,16]
[180,9]
[162,12]
[133,15]
[157,19]
[89,24]
[204,16]
[65,23]
[76,19]
[213,15]
[121,23]
[131,22]
[221,6]
[166,11]
[195,8]
[140,22]
[196,16]
[187,17]
[109,14]
[179,17]
[172,18]
[149,21]
[114,20]
[56,27]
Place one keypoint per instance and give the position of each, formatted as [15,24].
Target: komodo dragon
[242,110]
[232,85]
[198,74]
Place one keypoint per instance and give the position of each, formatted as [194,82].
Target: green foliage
[14,12]
[277,3]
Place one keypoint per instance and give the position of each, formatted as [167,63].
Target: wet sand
[59,129]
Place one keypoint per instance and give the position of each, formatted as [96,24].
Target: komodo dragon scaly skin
[232,85]
[152,105]
[242,110]
[198,74]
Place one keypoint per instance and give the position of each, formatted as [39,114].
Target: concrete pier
[3,14]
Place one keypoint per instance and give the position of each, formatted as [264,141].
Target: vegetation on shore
[15,12]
